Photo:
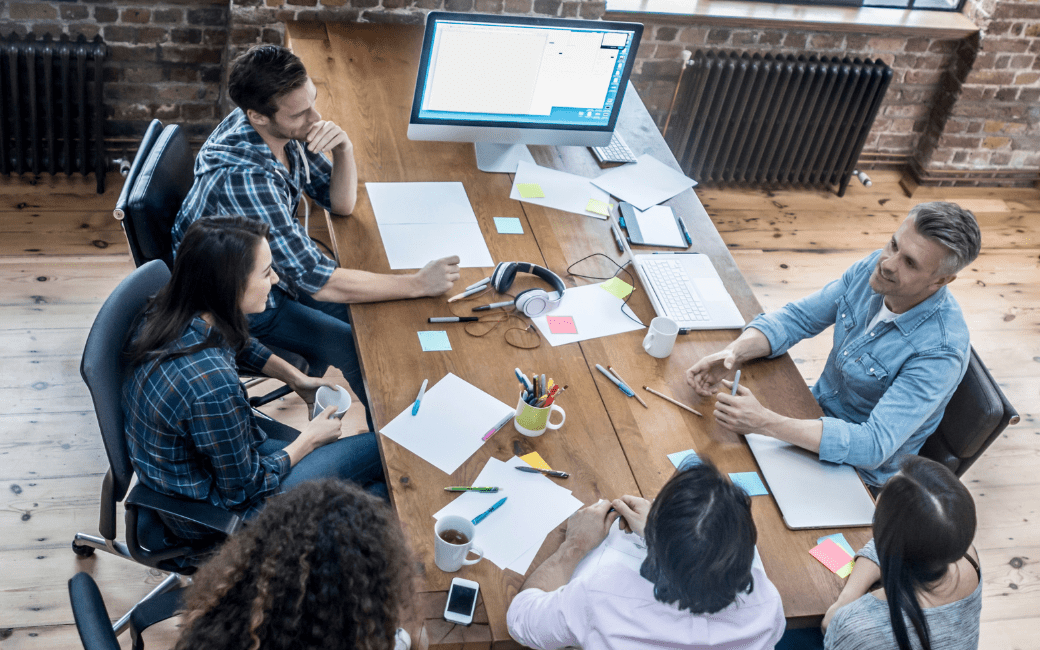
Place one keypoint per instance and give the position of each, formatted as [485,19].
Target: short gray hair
[951,226]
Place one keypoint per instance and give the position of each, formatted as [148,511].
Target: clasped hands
[589,526]
[741,413]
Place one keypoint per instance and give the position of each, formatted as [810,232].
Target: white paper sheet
[644,183]
[596,313]
[563,191]
[452,419]
[535,505]
[420,222]
[658,226]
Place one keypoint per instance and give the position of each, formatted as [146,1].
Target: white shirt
[607,605]
[883,316]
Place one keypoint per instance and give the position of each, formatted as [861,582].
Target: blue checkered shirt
[237,174]
[191,432]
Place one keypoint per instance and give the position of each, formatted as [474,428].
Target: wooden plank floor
[61,254]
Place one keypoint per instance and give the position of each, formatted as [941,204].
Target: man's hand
[438,276]
[742,413]
[325,136]
[589,526]
[633,511]
[705,375]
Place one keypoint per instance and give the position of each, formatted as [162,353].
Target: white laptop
[809,492]
[686,288]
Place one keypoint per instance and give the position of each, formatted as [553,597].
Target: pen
[479,518]
[617,382]
[677,403]
[686,233]
[494,305]
[547,472]
[638,398]
[476,285]
[418,400]
[736,384]
[466,293]
[617,239]
[452,319]
[469,488]
[498,426]
[524,381]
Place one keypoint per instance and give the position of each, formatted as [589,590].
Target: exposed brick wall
[166,58]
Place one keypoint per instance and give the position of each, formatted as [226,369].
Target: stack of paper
[559,190]
[512,535]
[420,222]
[451,423]
[644,183]
[594,313]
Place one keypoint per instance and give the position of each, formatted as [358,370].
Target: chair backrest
[977,414]
[88,608]
[102,367]
[154,197]
[151,134]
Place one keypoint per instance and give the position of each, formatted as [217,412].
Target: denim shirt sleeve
[803,318]
[922,384]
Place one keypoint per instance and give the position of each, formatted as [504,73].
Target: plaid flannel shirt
[237,174]
[192,434]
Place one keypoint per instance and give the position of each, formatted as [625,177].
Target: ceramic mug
[532,421]
[449,556]
[660,340]
[326,397]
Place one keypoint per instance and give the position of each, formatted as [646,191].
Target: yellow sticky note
[534,460]
[846,570]
[617,287]
[598,207]
[530,190]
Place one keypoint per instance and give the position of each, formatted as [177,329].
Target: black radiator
[51,112]
[774,119]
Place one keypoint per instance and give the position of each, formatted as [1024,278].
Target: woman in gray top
[931,595]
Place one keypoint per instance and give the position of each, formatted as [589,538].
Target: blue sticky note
[509,225]
[434,341]
[840,540]
[751,483]
[678,457]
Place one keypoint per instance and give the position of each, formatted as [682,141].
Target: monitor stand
[501,158]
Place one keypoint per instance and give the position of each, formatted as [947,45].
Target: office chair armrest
[154,610]
[198,512]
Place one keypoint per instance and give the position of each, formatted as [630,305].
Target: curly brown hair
[323,566]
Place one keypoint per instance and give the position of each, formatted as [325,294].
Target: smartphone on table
[462,600]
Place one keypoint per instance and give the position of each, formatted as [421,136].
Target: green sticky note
[530,190]
[598,207]
[617,287]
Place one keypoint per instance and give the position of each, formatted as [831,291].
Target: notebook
[809,492]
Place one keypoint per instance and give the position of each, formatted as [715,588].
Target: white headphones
[532,302]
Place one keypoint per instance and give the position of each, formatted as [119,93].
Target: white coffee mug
[326,397]
[660,339]
[451,557]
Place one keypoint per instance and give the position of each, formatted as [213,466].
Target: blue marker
[522,378]
[479,518]
[418,400]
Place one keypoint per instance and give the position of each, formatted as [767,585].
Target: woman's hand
[307,388]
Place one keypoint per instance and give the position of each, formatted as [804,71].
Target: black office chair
[160,178]
[977,414]
[91,615]
[148,541]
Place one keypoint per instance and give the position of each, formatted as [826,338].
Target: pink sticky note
[831,555]
[561,325]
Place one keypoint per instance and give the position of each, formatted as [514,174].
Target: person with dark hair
[695,582]
[258,163]
[190,430]
[901,348]
[323,567]
[931,595]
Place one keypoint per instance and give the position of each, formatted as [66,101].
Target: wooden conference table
[610,445]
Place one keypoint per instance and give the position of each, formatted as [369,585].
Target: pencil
[638,398]
[679,404]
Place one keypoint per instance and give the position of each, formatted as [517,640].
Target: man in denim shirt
[900,349]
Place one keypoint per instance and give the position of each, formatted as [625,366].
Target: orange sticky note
[831,555]
[534,460]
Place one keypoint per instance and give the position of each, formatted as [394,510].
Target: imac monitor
[505,81]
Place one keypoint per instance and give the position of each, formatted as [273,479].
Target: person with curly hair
[323,566]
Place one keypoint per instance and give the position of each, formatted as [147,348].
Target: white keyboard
[615,152]
[672,286]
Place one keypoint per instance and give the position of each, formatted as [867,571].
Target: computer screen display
[520,72]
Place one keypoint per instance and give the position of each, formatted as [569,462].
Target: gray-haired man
[900,349]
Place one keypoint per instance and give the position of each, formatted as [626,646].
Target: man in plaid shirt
[257,164]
